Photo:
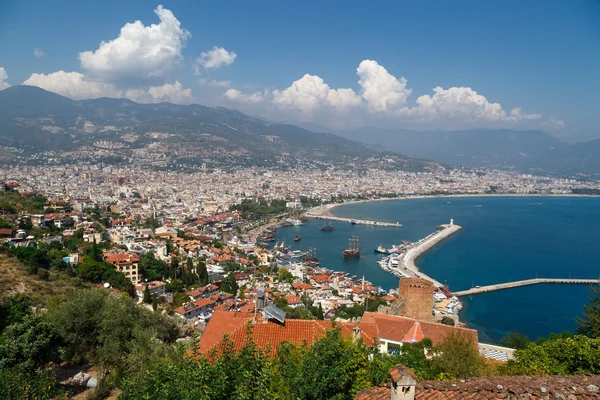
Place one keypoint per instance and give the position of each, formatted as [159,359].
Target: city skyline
[404,66]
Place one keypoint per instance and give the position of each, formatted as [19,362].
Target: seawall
[425,245]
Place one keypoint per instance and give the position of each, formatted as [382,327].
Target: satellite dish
[106,285]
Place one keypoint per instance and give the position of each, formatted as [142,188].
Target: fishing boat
[327,227]
[297,238]
[352,250]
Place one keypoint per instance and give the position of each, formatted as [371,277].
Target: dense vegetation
[134,349]
[254,210]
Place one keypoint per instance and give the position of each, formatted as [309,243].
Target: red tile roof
[121,258]
[267,333]
[414,335]
[575,387]
[291,300]
[396,328]
[196,305]
[302,286]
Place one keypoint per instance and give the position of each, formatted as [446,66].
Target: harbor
[478,255]
[401,262]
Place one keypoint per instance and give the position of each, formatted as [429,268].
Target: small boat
[382,250]
[327,227]
[297,238]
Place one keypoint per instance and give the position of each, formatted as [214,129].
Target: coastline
[325,210]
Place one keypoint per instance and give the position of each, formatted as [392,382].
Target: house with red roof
[203,292]
[269,333]
[126,263]
[195,309]
[294,301]
[393,331]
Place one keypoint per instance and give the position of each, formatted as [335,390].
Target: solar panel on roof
[273,312]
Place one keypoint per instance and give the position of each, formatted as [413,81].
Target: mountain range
[37,125]
[527,151]
[34,121]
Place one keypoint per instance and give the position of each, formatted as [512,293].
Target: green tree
[202,273]
[108,331]
[447,321]
[320,312]
[457,356]
[284,275]
[18,383]
[147,296]
[29,344]
[230,285]
[557,355]
[19,306]
[589,324]
[515,340]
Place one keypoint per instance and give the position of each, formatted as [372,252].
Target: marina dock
[526,282]
[355,221]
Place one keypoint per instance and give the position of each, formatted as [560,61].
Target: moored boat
[352,250]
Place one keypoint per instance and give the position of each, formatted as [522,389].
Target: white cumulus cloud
[38,53]
[172,93]
[311,93]
[73,85]
[237,96]
[383,95]
[215,58]
[464,103]
[382,91]
[3,78]
[141,53]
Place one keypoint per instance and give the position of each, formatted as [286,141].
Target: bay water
[504,238]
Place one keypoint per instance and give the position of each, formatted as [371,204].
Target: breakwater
[424,245]
[353,221]
[526,282]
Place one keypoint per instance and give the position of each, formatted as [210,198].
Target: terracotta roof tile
[576,387]
[395,328]
[266,333]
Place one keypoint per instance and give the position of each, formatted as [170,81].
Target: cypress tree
[589,324]
[147,297]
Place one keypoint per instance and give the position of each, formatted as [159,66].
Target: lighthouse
[451,221]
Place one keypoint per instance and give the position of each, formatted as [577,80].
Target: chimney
[403,383]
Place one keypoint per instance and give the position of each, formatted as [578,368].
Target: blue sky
[298,61]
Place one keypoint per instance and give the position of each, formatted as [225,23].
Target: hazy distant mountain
[37,120]
[472,148]
[580,158]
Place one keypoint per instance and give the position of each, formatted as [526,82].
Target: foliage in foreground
[558,355]
[334,367]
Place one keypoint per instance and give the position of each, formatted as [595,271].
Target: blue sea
[503,239]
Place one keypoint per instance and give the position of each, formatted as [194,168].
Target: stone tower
[416,294]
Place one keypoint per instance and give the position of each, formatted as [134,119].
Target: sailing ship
[352,250]
[311,258]
[327,227]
